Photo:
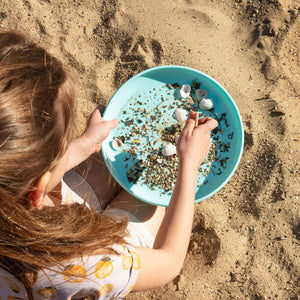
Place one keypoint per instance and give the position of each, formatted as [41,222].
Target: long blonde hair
[37,111]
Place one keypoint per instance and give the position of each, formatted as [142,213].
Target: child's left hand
[83,146]
[97,130]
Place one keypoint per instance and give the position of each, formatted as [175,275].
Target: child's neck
[54,197]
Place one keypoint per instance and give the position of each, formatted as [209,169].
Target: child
[52,249]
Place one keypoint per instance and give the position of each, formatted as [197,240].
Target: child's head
[37,109]
[37,105]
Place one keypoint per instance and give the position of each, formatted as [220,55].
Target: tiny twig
[196,119]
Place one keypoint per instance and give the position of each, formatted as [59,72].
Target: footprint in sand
[137,54]
[277,121]
[204,242]
[248,136]
[268,34]
[133,53]
[265,165]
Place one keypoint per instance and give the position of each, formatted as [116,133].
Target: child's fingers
[113,123]
[190,122]
[189,125]
[96,117]
[192,115]
[202,120]
[107,126]
[207,123]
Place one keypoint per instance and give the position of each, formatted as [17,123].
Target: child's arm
[82,147]
[163,263]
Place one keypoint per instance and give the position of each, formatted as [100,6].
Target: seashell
[176,138]
[169,150]
[180,114]
[206,104]
[159,161]
[190,100]
[117,144]
[185,90]
[201,93]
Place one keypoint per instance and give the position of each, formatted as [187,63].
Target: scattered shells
[180,114]
[150,145]
[206,104]
[117,144]
[185,90]
[169,150]
[201,93]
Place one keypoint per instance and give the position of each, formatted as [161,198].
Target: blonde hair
[37,111]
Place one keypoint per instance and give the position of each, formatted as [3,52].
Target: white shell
[201,93]
[180,114]
[117,144]
[176,138]
[206,104]
[169,150]
[185,90]
[159,161]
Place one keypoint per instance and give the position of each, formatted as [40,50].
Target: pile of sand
[245,240]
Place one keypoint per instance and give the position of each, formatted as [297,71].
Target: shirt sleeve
[96,277]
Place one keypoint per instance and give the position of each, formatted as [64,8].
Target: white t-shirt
[101,276]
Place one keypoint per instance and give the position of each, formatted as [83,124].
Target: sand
[245,240]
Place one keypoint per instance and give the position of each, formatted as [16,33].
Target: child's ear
[39,190]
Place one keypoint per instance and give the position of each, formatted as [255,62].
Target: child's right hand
[173,236]
[194,143]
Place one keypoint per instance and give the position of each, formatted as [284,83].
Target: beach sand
[245,239]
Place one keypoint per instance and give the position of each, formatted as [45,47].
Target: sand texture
[245,239]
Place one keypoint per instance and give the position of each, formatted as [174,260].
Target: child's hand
[85,145]
[97,130]
[194,143]
[173,237]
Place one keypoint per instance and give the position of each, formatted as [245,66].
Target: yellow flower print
[105,290]
[13,286]
[48,292]
[128,261]
[104,268]
[74,273]
[136,260]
